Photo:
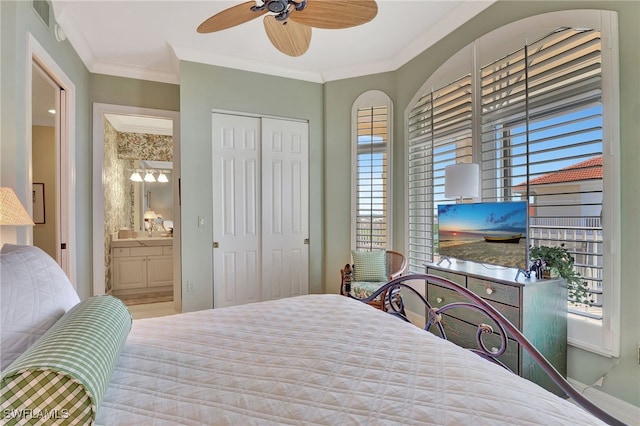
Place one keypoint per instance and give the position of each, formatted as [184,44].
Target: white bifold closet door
[260,209]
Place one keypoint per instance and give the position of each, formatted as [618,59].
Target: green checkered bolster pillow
[370,265]
[63,376]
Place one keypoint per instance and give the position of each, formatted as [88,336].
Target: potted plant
[559,262]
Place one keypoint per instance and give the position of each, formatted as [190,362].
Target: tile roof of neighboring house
[585,170]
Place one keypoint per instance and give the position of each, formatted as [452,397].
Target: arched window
[535,105]
[371,174]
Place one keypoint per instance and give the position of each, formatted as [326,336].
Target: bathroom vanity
[142,265]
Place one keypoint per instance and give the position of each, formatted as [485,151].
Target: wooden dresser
[537,307]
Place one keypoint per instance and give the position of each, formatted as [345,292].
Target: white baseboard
[416,319]
[622,410]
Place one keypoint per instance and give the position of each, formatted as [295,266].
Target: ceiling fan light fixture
[277,6]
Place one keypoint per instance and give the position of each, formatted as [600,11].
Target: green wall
[205,88]
[623,378]
[339,98]
[18,19]
[108,89]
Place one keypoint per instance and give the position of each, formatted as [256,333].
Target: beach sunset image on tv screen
[493,233]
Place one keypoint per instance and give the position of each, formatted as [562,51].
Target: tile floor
[151,310]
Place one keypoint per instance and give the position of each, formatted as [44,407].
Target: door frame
[65,147]
[99,110]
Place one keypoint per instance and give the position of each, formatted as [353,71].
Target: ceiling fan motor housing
[277,6]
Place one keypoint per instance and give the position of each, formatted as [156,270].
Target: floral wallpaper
[121,152]
[118,199]
[139,146]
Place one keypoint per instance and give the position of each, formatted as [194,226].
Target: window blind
[440,134]
[541,131]
[372,176]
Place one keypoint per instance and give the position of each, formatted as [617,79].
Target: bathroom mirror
[154,195]
[138,157]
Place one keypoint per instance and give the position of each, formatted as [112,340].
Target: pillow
[370,265]
[66,372]
[34,294]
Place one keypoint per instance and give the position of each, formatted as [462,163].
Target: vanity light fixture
[149,177]
[135,176]
[162,177]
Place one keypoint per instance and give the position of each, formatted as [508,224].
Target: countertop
[142,242]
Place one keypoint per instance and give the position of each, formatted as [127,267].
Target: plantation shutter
[541,122]
[440,128]
[372,175]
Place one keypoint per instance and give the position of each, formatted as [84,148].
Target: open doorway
[136,205]
[50,136]
[44,163]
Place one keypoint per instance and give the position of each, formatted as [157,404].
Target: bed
[315,359]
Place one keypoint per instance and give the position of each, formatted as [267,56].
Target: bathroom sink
[143,240]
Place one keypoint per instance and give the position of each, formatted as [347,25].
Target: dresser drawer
[456,278]
[439,296]
[167,250]
[463,334]
[146,251]
[121,252]
[492,290]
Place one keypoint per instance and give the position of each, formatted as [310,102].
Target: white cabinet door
[236,210]
[129,272]
[285,208]
[159,271]
[260,209]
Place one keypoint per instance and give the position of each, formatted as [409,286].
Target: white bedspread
[318,359]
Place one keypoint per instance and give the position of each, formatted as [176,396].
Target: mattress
[315,359]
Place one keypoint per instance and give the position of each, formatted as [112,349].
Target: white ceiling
[140,124]
[145,39]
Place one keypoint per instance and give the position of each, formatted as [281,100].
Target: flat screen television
[493,233]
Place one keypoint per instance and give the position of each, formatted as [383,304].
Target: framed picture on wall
[38,203]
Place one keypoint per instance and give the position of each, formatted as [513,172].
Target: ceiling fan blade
[236,15]
[336,14]
[289,37]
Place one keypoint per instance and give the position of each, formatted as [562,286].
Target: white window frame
[371,98]
[599,336]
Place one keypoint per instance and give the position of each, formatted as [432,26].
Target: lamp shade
[163,178]
[148,177]
[462,180]
[149,214]
[11,210]
[135,176]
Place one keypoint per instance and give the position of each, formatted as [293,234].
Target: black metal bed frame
[395,306]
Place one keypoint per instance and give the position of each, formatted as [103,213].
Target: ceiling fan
[288,22]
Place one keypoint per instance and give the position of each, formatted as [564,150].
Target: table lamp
[149,217]
[11,210]
[462,180]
